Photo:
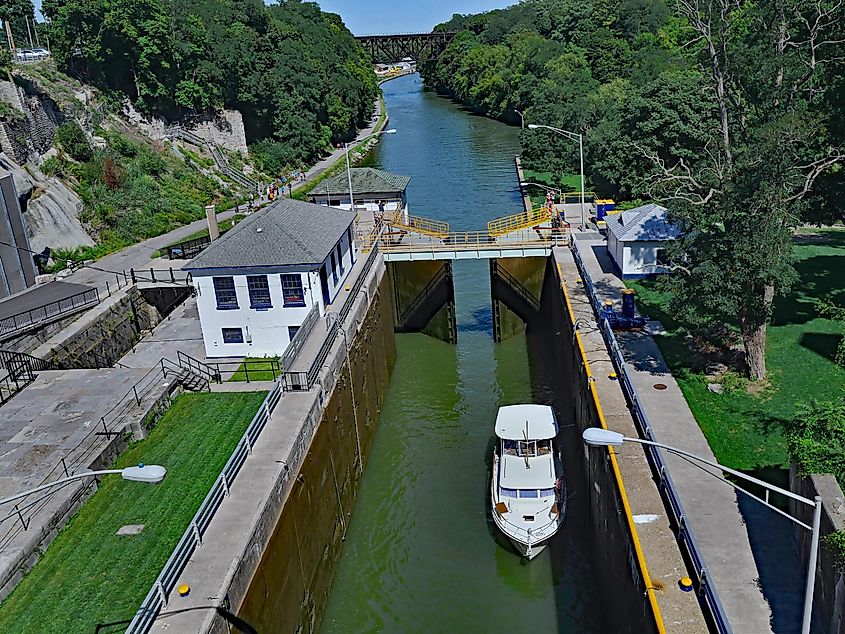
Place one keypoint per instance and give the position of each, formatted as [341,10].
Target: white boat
[527,487]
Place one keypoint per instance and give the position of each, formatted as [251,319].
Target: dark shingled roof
[288,232]
[365,180]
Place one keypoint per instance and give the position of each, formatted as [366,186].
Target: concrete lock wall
[408,281]
[615,558]
[101,336]
[530,273]
[290,588]
[829,596]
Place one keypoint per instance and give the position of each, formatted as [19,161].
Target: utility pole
[29,32]
[9,36]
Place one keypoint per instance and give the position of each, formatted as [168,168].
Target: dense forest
[295,73]
[732,114]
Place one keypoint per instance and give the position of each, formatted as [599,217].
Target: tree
[12,14]
[738,191]
[830,310]
[816,438]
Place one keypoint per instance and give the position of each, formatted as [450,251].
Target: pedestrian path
[736,558]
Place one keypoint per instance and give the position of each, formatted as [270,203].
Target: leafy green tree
[837,313]
[70,137]
[816,438]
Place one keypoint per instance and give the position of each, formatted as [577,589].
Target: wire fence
[191,539]
[707,591]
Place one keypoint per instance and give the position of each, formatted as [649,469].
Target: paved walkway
[741,542]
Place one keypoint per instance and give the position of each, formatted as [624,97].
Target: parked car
[42,53]
[32,54]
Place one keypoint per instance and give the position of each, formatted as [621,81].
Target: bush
[70,138]
[817,438]
[273,157]
[835,543]
[51,166]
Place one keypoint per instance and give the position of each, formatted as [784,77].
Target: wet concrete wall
[528,272]
[413,295]
[591,482]
[290,588]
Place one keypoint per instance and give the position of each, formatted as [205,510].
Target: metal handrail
[166,276]
[191,539]
[516,285]
[36,316]
[443,273]
[685,534]
[418,224]
[522,220]
[300,337]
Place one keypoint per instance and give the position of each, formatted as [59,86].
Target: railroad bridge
[420,47]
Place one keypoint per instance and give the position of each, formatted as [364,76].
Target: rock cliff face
[50,209]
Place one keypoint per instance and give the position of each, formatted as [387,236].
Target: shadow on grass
[820,277]
[823,344]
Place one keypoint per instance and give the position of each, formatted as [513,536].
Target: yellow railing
[417,224]
[473,241]
[524,220]
[571,198]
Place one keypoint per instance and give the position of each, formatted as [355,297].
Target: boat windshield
[525,494]
[526,448]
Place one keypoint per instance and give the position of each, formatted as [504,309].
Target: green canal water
[422,553]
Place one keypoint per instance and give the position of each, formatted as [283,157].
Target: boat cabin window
[525,494]
[526,448]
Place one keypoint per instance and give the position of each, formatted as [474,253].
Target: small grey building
[17,268]
[374,191]
[636,239]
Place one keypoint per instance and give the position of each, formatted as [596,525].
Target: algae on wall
[289,590]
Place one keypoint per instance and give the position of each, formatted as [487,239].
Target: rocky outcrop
[50,209]
[28,132]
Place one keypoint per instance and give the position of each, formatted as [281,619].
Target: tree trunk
[752,323]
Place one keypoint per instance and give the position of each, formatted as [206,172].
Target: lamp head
[597,437]
[533,126]
[391,131]
[148,473]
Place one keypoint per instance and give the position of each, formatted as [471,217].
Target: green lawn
[88,574]
[571,182]
[746,431]
[257,369]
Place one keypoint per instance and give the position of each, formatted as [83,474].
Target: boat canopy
[512,420]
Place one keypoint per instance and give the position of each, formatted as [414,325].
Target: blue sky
[368,17]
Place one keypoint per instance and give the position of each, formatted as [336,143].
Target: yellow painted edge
[632,528]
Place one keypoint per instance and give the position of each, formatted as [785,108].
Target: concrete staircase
[191,381]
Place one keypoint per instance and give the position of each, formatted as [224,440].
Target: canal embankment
[272,547]
[637,543]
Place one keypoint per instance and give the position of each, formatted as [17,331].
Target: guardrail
[475,241]
[82,455]
[159,594]
[685,533]
[523,220]
[188,249]
[304,381]
[161,276]
[48,312]
[300,337]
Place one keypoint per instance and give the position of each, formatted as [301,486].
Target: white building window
[292,291]
[233,335]
[259,291]
[334,267]
[224,291]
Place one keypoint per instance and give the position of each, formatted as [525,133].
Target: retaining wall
[289,590]
[829,596]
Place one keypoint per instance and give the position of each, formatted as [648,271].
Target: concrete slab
[180,331]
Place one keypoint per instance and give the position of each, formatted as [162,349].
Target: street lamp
[596,437]
[349,167]
[521,116]
[149,474]
[573,137]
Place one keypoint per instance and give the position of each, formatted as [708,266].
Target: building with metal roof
[374,191]
[258,283]
[636,239]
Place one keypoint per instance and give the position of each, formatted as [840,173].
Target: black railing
[518,287]
[48,312]
[304,381]
[188,249]
[443,274]
[161,276]
[246,370]
[685,535]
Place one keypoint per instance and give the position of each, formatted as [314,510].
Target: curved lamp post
[149,474]
[346,147]
[596,437]
[573,136]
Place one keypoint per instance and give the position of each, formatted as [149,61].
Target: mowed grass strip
[89,575]
[746,431]
[257,369]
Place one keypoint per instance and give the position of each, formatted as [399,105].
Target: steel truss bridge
[420,47]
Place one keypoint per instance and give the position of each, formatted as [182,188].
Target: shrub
[51,166]
[817,438]
[273,157]
[70,138]
[835,543]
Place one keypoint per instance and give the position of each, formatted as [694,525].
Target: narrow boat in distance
[527,488]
